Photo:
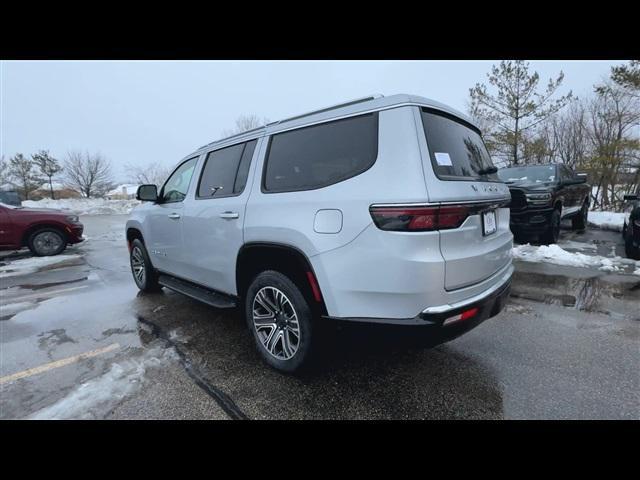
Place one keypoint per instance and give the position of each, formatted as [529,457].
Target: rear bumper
[531,221]
[489,303]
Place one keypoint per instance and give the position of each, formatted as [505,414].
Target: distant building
[59,191]
[126,191]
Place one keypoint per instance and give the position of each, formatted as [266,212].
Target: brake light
[419,219]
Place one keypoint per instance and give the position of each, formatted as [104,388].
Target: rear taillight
[419,219]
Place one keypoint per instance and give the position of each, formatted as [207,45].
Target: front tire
[144,274]
[580,222]
[553,232]
[631,251]
[281,321]
[47,241]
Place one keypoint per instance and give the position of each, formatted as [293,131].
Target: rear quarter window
[320,155]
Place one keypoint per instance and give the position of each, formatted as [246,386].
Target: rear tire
[47,241]
[144,274]
[579,222]
[553,232]
[281,322]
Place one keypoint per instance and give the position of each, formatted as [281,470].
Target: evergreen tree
[516,106]
[48,166]
[23,175]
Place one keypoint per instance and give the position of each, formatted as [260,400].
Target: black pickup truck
[543,195]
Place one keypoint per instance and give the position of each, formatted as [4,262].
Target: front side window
[321,155]
[456,149]
[226,170]
[177,185]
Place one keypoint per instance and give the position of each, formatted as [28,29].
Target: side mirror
[147,193]
[576,180]
[631,198]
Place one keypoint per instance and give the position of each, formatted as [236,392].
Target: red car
[44,231]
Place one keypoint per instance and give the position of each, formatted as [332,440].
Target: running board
[218,300]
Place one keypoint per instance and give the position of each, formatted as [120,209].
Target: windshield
[456,149]
[537,174]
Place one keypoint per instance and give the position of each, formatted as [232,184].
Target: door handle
[229,215]
[174,216]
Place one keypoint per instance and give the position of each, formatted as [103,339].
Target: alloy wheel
[137,265]
[276,323]
[47,243]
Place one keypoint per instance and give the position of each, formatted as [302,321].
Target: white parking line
[57,364]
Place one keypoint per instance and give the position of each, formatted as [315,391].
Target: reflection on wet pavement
[177,358]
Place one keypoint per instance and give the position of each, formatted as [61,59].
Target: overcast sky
[138,112]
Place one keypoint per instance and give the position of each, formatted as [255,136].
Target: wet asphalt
[165,356]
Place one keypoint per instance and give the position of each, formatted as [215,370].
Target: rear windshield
[456,148]
[539,174]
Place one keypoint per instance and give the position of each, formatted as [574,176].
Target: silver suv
[382,209]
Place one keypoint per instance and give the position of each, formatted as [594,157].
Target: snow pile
[86,206]
[607,220]
[95,398]
[33,264]
[556,255]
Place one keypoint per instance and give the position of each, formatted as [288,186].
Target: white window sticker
[443,159]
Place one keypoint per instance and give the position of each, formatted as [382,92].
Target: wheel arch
[24,241]
[255,257]
[134,233]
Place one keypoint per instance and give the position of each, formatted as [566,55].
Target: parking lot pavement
[106,351]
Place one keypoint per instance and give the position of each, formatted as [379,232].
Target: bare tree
[153,173]
[89,174]
[21,171]
[244,123]
[614,117]
[570,135]
[4,172]
[48,167]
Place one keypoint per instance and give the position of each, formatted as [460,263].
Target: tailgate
[470,255]
[458,171]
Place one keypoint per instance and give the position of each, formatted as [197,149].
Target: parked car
[10,197]
[45,231]
[631,227]
[542,196]
[381,210]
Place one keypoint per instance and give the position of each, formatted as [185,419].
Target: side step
[218,300]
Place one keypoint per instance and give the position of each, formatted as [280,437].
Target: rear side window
[321,155]
[456,148]
[227,168]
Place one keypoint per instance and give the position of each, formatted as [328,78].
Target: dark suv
[631,229]
[542,196]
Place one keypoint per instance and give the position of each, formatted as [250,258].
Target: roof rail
[233,136]
[333,107]
[339,105]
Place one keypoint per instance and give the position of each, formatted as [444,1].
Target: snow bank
[95,398]
[86,206]
[33,264]
[607,220]
[556,255]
